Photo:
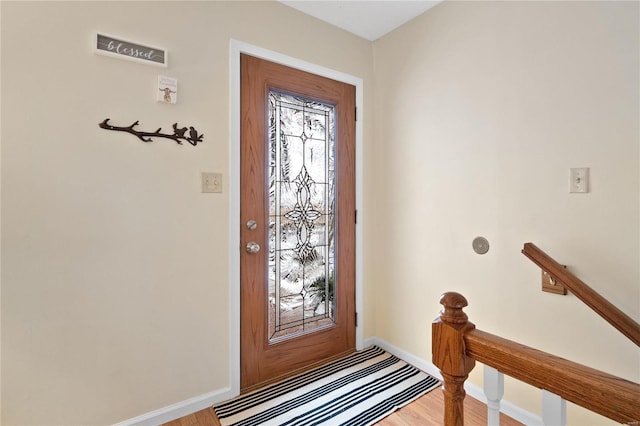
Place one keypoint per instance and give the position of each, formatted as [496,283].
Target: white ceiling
[367,19]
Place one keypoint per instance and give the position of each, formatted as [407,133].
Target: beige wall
[115,266]
[481,109]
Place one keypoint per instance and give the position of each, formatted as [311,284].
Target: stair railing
[559,274]
[457,345]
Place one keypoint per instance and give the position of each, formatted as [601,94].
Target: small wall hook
[178,135]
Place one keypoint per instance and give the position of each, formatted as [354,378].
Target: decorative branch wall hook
[179,134]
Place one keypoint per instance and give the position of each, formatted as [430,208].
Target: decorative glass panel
[301,215]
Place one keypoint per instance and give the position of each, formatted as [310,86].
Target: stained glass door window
[301,216]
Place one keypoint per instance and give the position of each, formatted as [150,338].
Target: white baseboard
[472,390]
[423,365]
[197,403]
[179,409]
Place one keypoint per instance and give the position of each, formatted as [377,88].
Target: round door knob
[253,247]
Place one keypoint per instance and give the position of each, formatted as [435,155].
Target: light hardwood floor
[426,410]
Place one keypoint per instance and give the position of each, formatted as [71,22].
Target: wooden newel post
[448,354]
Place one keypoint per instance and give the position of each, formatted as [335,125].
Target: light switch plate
[211,182]
[579,180]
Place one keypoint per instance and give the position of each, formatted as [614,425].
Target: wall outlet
[211,182]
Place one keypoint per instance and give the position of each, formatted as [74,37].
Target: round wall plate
[480,245]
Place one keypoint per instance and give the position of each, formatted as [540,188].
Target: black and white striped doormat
[357,390]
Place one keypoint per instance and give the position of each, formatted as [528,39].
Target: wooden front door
[297,214]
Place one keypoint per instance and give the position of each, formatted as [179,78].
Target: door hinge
[355,220]
[356,117]
[356,319]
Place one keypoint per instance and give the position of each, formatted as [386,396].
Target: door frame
[235,49]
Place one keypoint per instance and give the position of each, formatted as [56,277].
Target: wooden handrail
[610,396]
[621,321]
[457,345]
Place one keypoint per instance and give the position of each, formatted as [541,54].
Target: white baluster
[493,390]
[554,409]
